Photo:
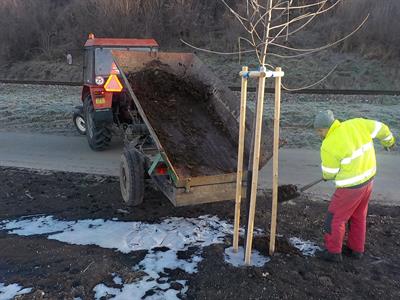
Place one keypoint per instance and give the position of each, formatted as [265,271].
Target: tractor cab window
[104,59]
[88,66]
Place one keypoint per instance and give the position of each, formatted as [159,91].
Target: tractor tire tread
[102,134]
[135,187]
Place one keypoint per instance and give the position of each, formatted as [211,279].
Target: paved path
[60,153]
[72,154]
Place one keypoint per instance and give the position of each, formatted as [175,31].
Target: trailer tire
[131,177]
[98,134]
[79,120]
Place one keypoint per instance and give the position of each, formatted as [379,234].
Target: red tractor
[106,102]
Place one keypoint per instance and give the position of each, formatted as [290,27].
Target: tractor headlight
[99,80]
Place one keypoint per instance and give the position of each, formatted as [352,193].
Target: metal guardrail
[42,82]
[325,91]
[233,88]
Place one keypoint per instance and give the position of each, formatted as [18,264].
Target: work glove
[386,146]
[388,149]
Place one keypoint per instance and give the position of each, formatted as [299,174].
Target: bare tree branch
[309,21]
[307,15]
[214,51]
[266,33]
[311,85]
[266,22]
[311,51]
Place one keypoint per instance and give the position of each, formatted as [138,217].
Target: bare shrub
[33,28]
[50,28]
[380,37]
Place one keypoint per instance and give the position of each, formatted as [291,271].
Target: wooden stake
[239,172]
[275,166]
[256,160]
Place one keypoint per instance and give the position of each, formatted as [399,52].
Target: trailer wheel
[131,177]
[79,120]
[98,135]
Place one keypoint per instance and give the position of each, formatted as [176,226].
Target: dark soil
[64,271]
[287,192]
[183,118]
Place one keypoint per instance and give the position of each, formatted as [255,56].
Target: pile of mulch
[182,115]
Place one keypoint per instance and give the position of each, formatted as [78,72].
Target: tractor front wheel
[98,134]
[79,120]
[131,177]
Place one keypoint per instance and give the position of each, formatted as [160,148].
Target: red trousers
[347,205]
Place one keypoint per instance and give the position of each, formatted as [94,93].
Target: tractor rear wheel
[98,134]
[131,177]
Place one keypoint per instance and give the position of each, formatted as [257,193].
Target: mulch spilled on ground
[182,115]
[287,192]
[67,271]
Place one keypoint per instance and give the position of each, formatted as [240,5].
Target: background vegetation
[48,29]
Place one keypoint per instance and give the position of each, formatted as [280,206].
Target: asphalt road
[72,154]
[58,153]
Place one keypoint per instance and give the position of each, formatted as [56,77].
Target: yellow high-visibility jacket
[347,152]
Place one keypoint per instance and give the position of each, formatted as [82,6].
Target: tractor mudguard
[100,98]
[103,116]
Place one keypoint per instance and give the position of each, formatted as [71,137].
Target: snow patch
[117,280]
[307,248]
[152,285]
[163,241]
[174,233]
[237,259]
[12,290]
[157,261]
[146,288]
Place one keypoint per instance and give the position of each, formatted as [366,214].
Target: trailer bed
[193,119]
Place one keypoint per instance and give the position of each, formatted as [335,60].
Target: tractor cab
[99,64]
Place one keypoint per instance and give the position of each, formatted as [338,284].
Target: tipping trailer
[187,128]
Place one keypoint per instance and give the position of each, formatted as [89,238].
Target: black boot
[350,253]
[331,257]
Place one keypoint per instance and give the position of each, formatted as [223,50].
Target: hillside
[40,33]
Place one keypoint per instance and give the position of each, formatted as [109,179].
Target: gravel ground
[48,109]
[38,108]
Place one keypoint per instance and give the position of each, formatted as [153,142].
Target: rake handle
[310,185]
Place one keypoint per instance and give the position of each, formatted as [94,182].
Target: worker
[69,58]
[348,158]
